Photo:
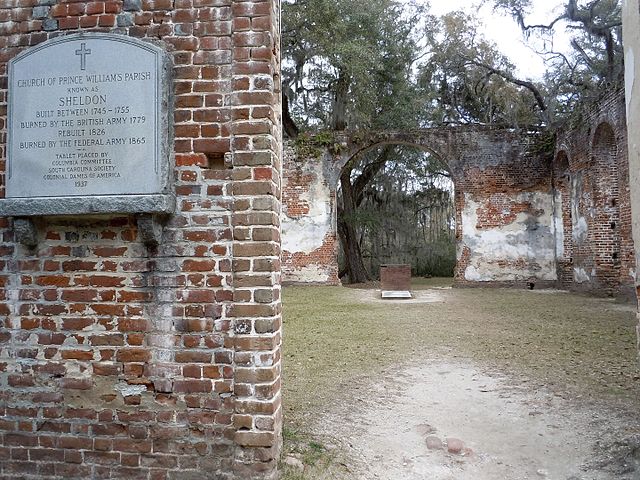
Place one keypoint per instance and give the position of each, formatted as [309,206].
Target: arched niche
[562,216]
[606,206]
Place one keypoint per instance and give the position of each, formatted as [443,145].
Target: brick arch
[418,143]
[606,210]
[503,203]
[604,136]
[452,144]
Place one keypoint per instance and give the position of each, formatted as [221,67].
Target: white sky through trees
[506,33]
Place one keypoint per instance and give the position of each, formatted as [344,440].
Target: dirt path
[529,385]
[503,432]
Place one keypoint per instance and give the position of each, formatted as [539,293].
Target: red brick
[192,386]
[133,355]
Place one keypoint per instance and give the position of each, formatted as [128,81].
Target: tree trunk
[290,128]
[354,265]
[352,196]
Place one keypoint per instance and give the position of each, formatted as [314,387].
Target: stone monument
[395,281]
[88,129]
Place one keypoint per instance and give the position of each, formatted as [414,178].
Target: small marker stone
[454,445]
[433,443]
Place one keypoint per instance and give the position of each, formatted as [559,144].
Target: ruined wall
[521,218]
[592,203]
[503,200]
[309,235]
[122,361]
[504,222]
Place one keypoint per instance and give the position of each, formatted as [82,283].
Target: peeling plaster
[520,250]
[129,390]
[558,224]
[580,275]
[309,274]
[580,230]
[580,227]
[307,233]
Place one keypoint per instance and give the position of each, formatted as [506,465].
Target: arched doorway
[396,205]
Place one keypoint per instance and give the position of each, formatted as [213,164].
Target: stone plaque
[88,127]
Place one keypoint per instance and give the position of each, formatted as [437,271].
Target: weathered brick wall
[504,220]
[120,361]
[593,196]
[561,180]
[395,277]
[521,219]
[309,236]
[503,205]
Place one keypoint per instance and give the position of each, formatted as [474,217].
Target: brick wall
[521,219]
[122,361]
[395,277]
[504,220]
[595,202]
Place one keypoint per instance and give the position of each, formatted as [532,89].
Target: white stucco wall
[558,225]
[518,251]
[306,234]
[631,32]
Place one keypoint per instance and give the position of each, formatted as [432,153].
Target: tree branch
[368,173]
[510,78]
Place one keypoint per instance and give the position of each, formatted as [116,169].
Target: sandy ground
[511,420]
[507,432]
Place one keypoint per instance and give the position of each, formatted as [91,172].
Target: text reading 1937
[84,119]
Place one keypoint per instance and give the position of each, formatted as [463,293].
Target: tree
[577,79]
[348,63]
[389,64]
[470,81]
[354,179]
[407,215]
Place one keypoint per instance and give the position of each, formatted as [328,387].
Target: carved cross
[83,51]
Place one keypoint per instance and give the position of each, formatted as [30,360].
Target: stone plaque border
[161,202]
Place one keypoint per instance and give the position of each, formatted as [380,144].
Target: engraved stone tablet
[88,128]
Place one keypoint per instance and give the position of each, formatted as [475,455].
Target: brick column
[631,32]
[256,312]
[119,360]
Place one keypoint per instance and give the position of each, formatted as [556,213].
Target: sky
[506,33]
